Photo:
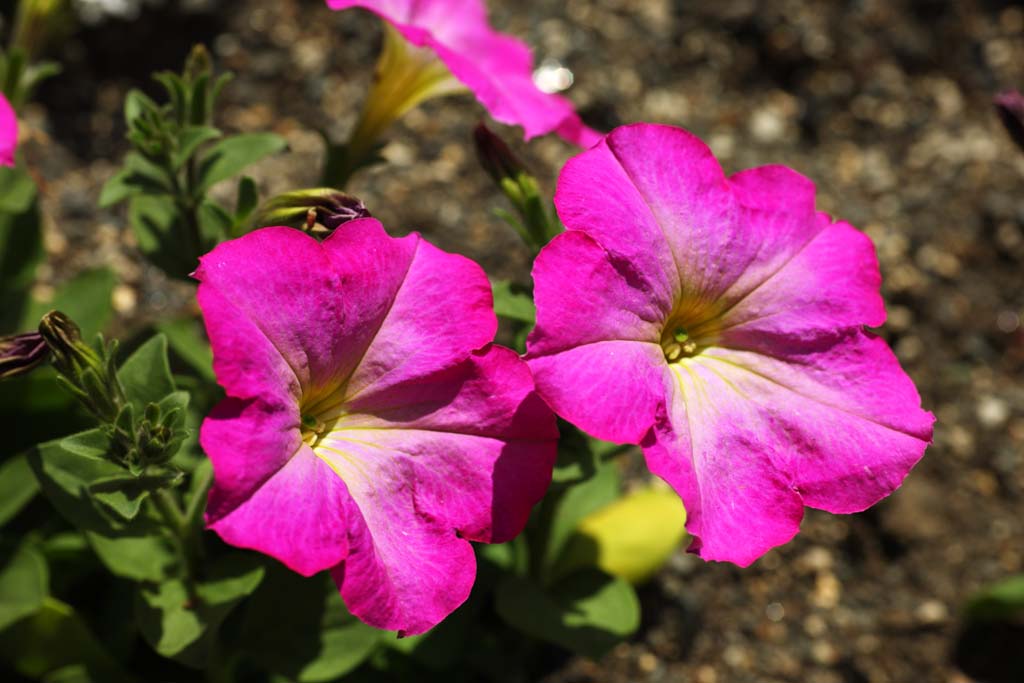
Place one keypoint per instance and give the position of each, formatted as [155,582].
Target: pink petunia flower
[370,427]
[8,132]
[718,322]
[495,66]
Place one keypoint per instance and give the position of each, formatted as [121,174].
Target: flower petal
[271,493]
[835,425]
[437,313]
[287,286]
[498,68]
[461,455]
[8,132]
[832,282]
[609,389]
[582,297]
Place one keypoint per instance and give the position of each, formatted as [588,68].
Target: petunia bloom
[8,132]
[495,66]
[718,322]
[370,428]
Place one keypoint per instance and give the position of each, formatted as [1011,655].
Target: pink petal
[583,297]
[609,389]
[438,311]
[271,493]
[835,425]
[287,285]
[462,455]
[498,68]
[832,282]
[8,132]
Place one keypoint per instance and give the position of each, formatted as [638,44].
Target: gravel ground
[885,104]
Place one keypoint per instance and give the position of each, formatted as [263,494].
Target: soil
[886,104]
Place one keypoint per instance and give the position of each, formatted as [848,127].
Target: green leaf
[1002,601]
[246,201]
[18,486]
[137,175]
[215,223]
[53,638]
[65,468]
[179,620]
[564,512]
[512,302]
[160,230]
[85,299]
[17,190]
[231,155]
[24,584]
[587,613]
[123,495]
[188,341]
[189,140]
[146,374]
[21,250]
[136,102]
[149,556]
[299,628]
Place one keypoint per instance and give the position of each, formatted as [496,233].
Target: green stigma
[680,335]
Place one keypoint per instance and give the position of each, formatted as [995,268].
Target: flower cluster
[371,428]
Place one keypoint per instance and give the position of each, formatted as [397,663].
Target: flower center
[691,328]
[319,414]
[676,343]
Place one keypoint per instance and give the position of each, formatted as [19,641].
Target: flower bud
[332,208]
[495,156]
[1010,106]
[89,374]
[21,353]
[535,224]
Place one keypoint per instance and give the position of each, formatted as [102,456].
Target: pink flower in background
[719,323]
[495,66]
[370,427]
[8,132]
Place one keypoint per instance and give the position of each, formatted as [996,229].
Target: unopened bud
[89,374]
[1010,106]
[495,156]
[198,63]
[21,353]
[64,338]
[322,205]
[535,224]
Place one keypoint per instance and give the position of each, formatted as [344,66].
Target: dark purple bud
[325,206]
[497,159]
[1010,105]
[21,353]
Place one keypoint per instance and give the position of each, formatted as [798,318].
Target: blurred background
[885,104]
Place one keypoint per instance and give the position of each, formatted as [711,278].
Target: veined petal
[438,312]
[581,298]
[832,282]
[8,132]
[610,389]
[285,284]
[270,492]
[462,455]
[835,426]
